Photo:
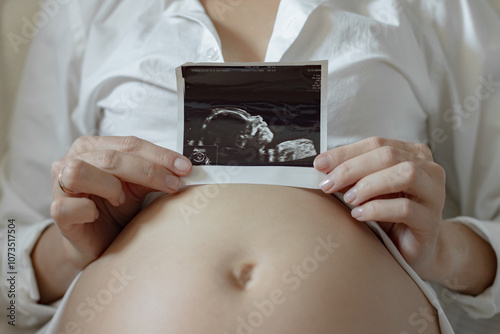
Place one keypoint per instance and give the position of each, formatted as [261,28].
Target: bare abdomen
[247,259]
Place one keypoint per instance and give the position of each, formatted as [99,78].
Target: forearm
[53,267]
[467,263]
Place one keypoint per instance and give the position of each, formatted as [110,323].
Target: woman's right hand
[106,181]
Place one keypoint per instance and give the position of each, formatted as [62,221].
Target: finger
[352,170]
[83,178]
[327,161]
[173,161]
[397,210]
[405,178]
[68,211]
[132,169]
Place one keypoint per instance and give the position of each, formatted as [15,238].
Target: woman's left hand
[397,184]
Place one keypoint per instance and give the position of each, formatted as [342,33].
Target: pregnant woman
[253,258]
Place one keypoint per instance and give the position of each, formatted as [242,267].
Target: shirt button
[212,54]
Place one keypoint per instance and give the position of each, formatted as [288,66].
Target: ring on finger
[61,184]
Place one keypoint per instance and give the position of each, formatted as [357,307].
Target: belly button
[242,274]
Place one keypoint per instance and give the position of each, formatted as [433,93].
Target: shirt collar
[192,10]
[291,18]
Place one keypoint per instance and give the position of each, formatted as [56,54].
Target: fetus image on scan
[232,134]
[252,115]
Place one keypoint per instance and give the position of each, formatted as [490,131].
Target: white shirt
[398,69]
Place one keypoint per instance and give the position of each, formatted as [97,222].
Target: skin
[399,185]
[198,273]
[245,29]
[396,183]
[111,176]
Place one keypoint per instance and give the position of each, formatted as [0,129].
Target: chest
[244,27]
[375,86]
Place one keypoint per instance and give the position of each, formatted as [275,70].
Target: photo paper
[260,123]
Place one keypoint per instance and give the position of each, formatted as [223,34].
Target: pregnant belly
[247,259]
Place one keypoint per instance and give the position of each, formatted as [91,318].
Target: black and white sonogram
[257,115]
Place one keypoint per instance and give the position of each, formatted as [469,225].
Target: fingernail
[351,195]
[122,199]
[328,183]
[182,164]
[323,162]
[172,182]
[357,212]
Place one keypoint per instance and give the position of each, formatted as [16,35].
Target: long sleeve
[466,128]
[39,134]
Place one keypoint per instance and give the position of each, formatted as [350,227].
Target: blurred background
[12,59]
[12,56]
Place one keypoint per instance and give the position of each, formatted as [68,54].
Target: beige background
[11,64]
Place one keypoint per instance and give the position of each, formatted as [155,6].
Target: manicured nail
[351,195]
[172,182]
[328,183]
[182,164]
[357,212]
[122,199]
[323,162]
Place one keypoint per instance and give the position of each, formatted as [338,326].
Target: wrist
[447,263]
[75,261]
[50,256]
[443,263]
[464,263]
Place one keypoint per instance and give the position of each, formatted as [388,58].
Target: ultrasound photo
[252,115]
[258,114]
